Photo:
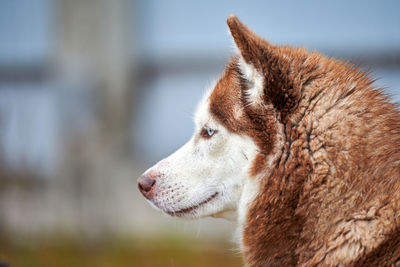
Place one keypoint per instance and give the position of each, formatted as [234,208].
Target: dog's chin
[229,214]
[202,208]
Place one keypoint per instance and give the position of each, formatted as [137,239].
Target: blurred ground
[165,251]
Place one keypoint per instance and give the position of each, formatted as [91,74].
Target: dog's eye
[207,132]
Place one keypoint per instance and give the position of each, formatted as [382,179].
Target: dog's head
[237,133]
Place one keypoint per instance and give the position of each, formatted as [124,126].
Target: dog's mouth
[192,208]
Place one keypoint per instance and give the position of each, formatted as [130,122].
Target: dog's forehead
[221,103]
[225,103]
[202,114]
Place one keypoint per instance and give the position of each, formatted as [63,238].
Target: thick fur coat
[321,147]
[333,195]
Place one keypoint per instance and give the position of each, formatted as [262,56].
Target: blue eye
[207,132]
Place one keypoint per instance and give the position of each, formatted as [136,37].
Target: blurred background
[93,92]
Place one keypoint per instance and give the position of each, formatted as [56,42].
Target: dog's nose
[145,183]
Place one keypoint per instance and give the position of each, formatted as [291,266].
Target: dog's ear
[265,69]
[251,46]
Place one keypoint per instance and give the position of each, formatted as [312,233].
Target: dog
[302,150]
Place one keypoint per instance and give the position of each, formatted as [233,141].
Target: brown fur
[332,195]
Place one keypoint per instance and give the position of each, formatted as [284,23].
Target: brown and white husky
[302,150]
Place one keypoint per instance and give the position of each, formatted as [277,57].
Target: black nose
[145,183]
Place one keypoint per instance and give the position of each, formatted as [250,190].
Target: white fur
[203,167]
[255,93]
[251,188]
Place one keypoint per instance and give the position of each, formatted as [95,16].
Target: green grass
[167,251]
